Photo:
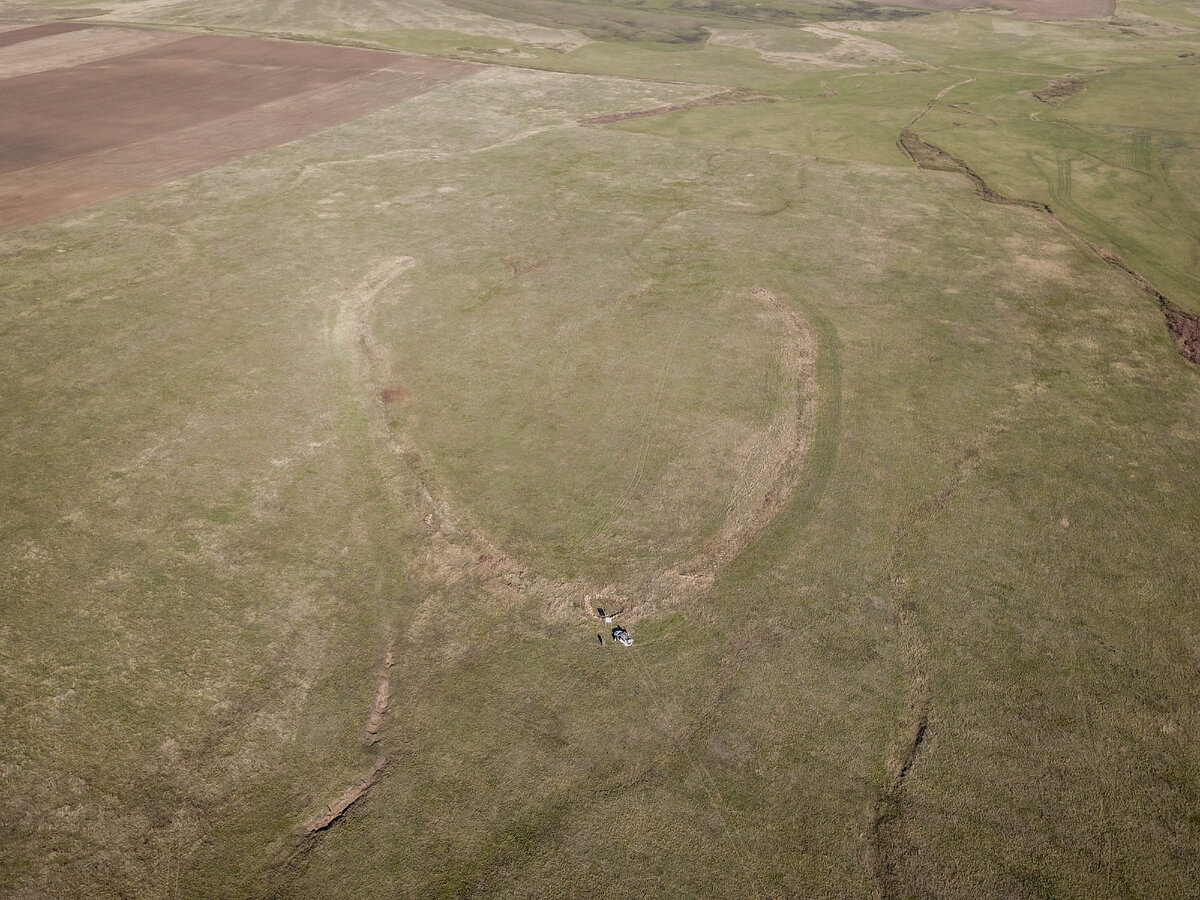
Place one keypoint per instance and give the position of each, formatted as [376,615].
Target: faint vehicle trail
[719,807]
[914,729]
[639,466]
[421,153]
[735,97]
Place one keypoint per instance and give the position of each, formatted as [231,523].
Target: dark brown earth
[51,12]
[33,32]
[1185,329]
[1055,92]
[87,133]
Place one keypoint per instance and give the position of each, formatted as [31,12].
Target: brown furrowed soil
[88,133]
[1058,90]
[80,45]
[1185,329]
[33,32]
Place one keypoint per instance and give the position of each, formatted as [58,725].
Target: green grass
[840,118]
[1118,179]
[208,541]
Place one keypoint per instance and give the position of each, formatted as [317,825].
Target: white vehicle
[621,636]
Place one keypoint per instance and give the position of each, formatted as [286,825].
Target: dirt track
[725,98]
[92,132]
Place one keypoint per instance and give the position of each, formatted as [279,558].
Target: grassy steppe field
[896,489]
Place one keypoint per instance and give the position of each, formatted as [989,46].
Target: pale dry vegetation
[319,465]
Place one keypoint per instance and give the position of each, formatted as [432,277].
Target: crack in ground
[916,652]
[348,798]
[1183,326]
[383,694]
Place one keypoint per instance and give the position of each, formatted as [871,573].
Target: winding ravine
[914,729]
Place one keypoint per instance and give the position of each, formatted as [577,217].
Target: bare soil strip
[65,113]
[338,808]
[1026,9]
[1184,326]
[725,98]
[383,694]
[105,129]
[1185,329]
[75,48]
[1058,90]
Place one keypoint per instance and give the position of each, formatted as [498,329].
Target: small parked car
[621,636]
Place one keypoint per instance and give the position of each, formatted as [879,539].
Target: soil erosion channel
[1183,325]
[887,826]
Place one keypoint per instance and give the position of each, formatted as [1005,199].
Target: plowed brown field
[79,134]
[20,35]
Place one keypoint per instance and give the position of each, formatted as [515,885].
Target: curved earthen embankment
[456,548]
